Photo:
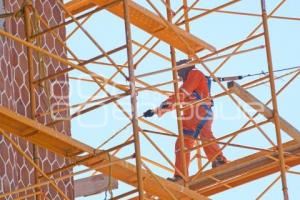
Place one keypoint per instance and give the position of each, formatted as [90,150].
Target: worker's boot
[220,160]
[175,178]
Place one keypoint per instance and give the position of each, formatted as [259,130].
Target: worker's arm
[187,88]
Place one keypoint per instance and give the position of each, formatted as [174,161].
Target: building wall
[15,171]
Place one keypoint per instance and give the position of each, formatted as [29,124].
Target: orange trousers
[211,150]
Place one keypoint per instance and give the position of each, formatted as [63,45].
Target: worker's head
[183,72]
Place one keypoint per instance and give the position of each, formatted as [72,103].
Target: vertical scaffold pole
[177,98]
[28,31]
[187,29]
[274,101]
[186,16]
[133,100]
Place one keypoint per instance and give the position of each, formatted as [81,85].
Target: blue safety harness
[205,119]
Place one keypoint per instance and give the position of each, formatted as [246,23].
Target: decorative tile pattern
[15,171]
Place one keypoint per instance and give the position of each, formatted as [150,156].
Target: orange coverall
[196,120]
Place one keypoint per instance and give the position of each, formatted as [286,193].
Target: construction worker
[196,120]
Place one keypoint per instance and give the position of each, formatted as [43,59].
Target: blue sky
[219,30]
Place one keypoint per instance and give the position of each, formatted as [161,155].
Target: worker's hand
[160,111]
[149,113]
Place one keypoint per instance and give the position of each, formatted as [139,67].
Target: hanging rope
[36,29]
[41,63]
[19,13]
[109,186]
[233,78]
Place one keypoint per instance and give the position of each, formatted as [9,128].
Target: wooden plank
[263,109]
[18,128]
[59,143]
[126,172]
[62,144]
[244,170]
[251,167]
[78,6]
[150,23]
[93,185]
[255,174]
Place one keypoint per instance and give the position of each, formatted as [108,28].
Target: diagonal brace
[263,109]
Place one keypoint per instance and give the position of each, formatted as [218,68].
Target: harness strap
[203,121]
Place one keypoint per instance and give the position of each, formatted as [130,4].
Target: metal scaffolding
[163,23]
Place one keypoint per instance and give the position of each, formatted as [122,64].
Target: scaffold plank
[263,109]
[126,172]
[64,145]
[150,23]
[41,135]
[78,6]
[245,170]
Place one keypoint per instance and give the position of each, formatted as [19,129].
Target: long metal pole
[187,29]
[250,35]
[64,71]
[28,30]
[177,98]
[186,16]
[133,100]
[249,14]
[64,24]
[208,12]
[274,101]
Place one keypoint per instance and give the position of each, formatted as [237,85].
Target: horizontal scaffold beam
[149,22]
[61,144]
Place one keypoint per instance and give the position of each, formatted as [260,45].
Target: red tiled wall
[15,171]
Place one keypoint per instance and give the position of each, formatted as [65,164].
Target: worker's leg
[213,149]
[188,144]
